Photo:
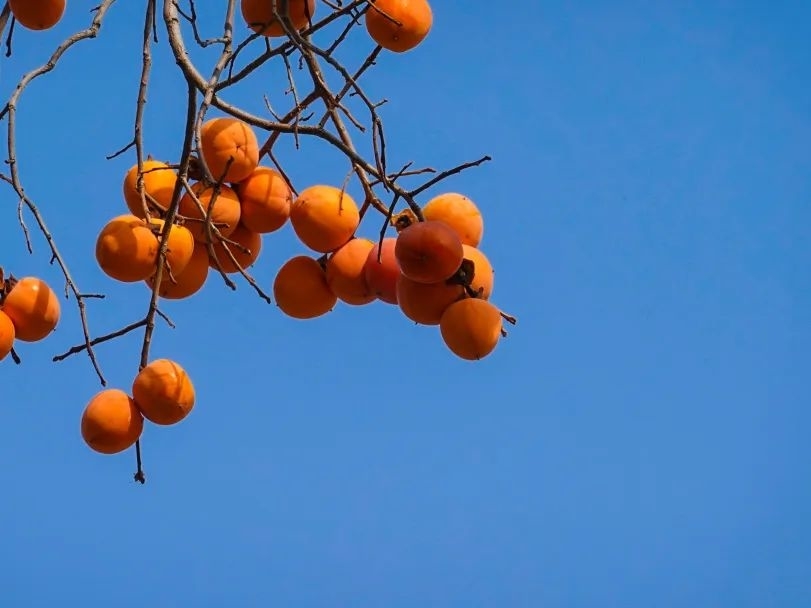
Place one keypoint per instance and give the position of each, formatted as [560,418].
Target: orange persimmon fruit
[37,14]
[252,241]
[266,199]
[471,328]
[324,218]
[460,213]
[33,308]
[259,15]
[301,290]
[159,183]
[429,251]
[180,247]
[188,282]
[381,275]
[111,422]
[225,139]
[399,25]
[225,211]
[483,275]
[163,392]
[7,335]
[346,275]
[127,249]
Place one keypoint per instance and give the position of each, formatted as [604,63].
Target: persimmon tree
[203,216]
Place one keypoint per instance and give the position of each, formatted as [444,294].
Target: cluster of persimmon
[433,269]
[396,25]
[113,419]
[29,311]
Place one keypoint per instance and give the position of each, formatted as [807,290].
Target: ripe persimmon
[163,392]
[346,275]
[266,199]
[381,275]
[324,218]
[188,282]
[399,25]
[33,308]
[471,328]
[483,275]
[252,241]
[460,213]
[159,183]
[429,251]
[300,289]
[37,14]
[127,249]
[225,211]
[424,303]
[225,139]
[7,335]
[180,247]
[259,15]
[111,422]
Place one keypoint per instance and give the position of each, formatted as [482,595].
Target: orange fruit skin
[159,182]
[7,335]
[37,14]
[163,392]
[424,303]
[381,276]
[180,247]
[414,16]
[428,251]
[483,275]
[246,238]
[460,213]
[33,308]
[225,215]
[223,138]
[346,274]
[300,289]
[188,282]
[260,12]
[265,199]
[471,328]
[111,422]
[323,218]
[127,249]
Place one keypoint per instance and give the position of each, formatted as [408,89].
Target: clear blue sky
[640,439]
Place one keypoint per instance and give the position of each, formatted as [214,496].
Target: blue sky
[639,439]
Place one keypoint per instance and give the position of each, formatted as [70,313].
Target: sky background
[640,438]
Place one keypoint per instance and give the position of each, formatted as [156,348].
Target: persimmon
[324,218]
[180,247]
[225,211]
[346,274]
[266,199]
[127,249]
[483,275]
[37,14]
[159,183]
[111,422]
[229,148]
[33,308]
[399,25]
[424,303]
[471,328]
[460,213]
[381,275]
[259,13]
[252,241]
[188,282]
[429,251]
[163,392]
[301,290]
[7,335]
